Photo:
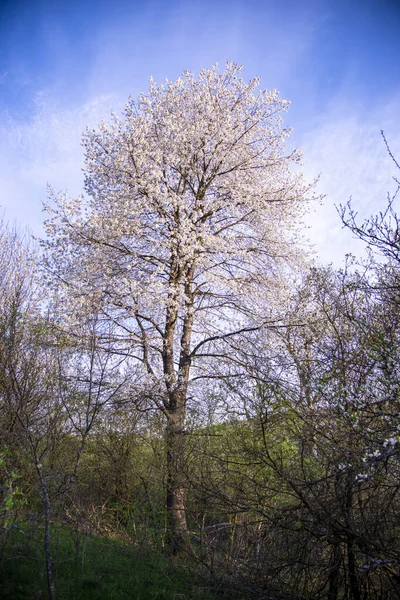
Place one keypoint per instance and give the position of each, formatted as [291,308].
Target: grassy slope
[96,569]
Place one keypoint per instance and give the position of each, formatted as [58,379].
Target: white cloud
[44,149]
[347,149]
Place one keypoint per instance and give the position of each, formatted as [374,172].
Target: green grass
[97,569]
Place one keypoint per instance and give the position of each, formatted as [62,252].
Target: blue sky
[66,64]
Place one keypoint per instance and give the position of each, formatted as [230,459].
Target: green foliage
[11,497]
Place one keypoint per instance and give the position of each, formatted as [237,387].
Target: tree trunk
[178,537]
[334,573]
[47,538]
[177,386]
[350,541]
[352,566]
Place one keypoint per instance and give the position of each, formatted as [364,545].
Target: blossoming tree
[191,211]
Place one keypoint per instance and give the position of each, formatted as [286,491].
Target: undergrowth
[92,567]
